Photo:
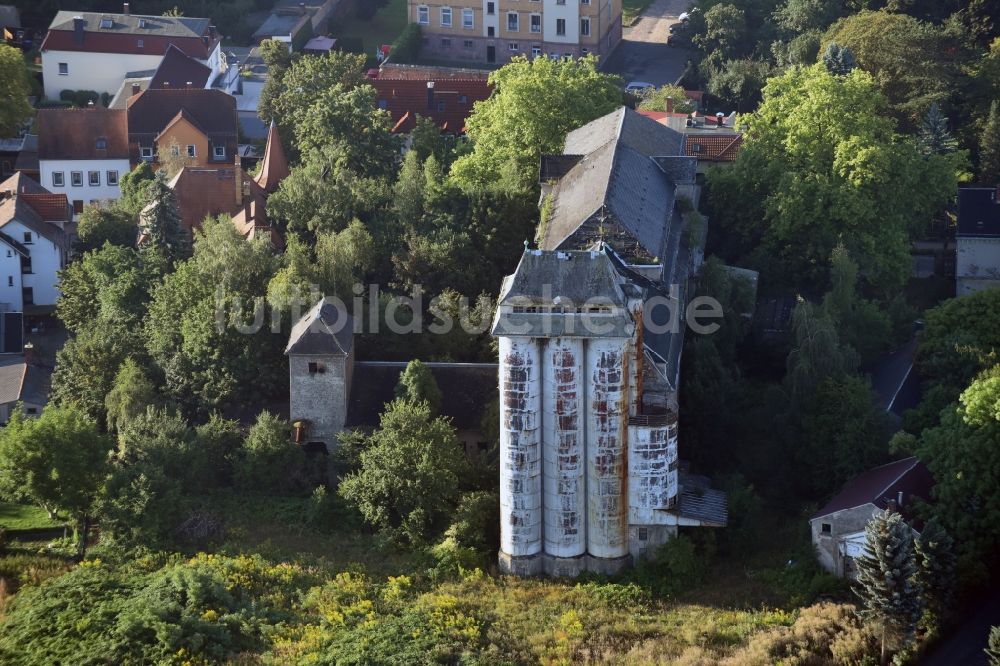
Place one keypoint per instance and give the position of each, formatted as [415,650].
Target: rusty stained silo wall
[652,465]
[607,392]
[563,448]
[520,449]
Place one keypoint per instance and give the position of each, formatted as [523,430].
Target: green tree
[725,33]
[130,396]
[100,224]
[860,323]
[57,461]
[134,186]
[269,461]
[278,59]
[798,16]
[739,82]
[411,468]
[85,370]
[427,139]
[14,91]
[535,103]
[822,166]
[417,384]
[816,354]
[889,596]
[989,147]
[160,222]
[656,100]
[935,573]
[934,137]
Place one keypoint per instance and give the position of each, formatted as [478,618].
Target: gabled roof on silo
[325,330]
[541,276]
[618,173]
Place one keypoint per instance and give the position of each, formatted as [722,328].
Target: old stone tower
[320,369]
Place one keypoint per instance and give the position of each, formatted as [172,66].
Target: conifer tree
[993,647]
[989,148]
[417,384]
[886,584]
[936,570]
[934,137]
[839,60]
[161,223]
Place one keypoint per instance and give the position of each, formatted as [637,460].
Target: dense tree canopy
[14,91]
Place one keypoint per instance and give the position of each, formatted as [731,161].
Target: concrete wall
[977,264]
[841,523]
[320,397]
[85,192]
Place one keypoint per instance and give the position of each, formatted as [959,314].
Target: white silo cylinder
[607,396]
[520,447]
[563,447]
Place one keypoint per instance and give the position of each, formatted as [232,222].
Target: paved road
[643,54]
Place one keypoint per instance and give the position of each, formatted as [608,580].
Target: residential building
[494,31]
[197,124]
[290,25]
[35,238]
[96,51]
[82,153]
[838,529]
[713,140]
[443,94]
[27,159]
[24,383]
[977,253]
[590,344]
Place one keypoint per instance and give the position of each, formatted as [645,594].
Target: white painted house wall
[569,12]
[102,72]
[84,192]
[10,278]
[47,259]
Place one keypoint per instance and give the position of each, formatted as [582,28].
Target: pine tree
[934,137]
[889,595]
[161,229]
[935,555]
[993,647]
[989,148]
[839,60]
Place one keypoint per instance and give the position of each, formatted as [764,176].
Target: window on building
[446,17]
[102,143]
[423,15]
[513,46]
[512,21]
[445,43]
[560,2]
[112,177]
[467,44]
[191,151]
[28,296]
[107,23]
[584,51]
[490,32]
[142,23]
[58,179]
[561,27]
[826,528]
[585,27]
[316,368]
[139,43]
[94,178]
[76,178]
[146,153]
[31,410]
[468,19]
[63,69]
[584,2]
[642,534]
[536,23]
[175,150]
[27,238]
[219,152]
[491,8]
[26,265]
[77,206]
[536,51]
[463,99]
[441,106]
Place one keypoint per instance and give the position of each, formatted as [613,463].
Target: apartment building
[494,31]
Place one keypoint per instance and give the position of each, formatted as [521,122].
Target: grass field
[631,10]
[383,29]
[15,517]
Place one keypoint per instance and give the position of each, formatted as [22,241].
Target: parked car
[638,87]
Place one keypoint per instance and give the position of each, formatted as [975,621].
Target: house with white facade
[82,153]
[977,242]
[96,51]
[34,244]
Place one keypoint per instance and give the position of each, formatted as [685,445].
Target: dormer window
[102,143]
[107,23]
[139,43]
[142,23]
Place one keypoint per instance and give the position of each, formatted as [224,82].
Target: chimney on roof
[899,498]
[430,95]
[670,104]
[302,7]
[718,118]
[78,29]
[135,88]
[190,84]
[125,9]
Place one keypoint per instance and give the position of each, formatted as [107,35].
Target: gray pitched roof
[12,373]
[324,330]
[698,501]
[628,171]
[162,26]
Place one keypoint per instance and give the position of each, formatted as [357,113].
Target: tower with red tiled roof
[275,167]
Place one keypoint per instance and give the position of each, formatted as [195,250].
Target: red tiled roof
[203,192]
[275,167]
[713,148]
[403,93]
[62,40]
[50,207]
[71,134]
[880,485]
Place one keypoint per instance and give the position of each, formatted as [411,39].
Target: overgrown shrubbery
[406,48]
